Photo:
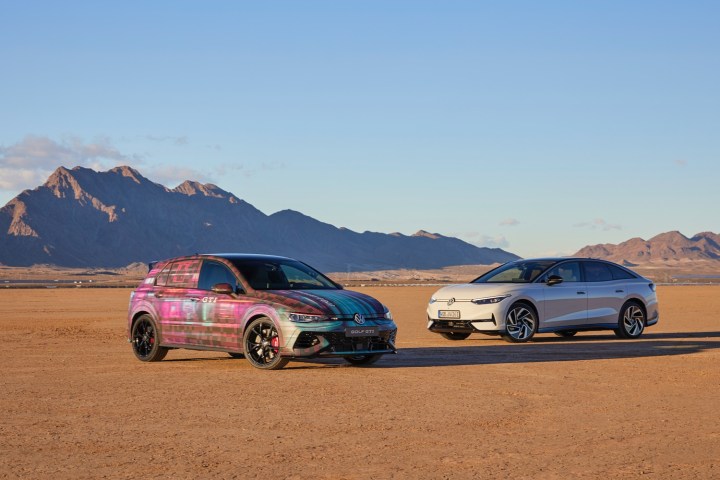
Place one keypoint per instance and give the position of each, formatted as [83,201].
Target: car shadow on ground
[555,350]
[475,351]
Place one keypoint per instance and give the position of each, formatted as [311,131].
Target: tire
[566,333]
[631,322]
[521,323]
[236,355]
[363,359]
[261,344]
[146,341]
[455,335]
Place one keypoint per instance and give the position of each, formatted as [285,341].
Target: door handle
[158,295]
[193,299]
[619,291]
[581,293]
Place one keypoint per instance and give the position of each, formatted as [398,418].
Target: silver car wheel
[520,323]
[633,321]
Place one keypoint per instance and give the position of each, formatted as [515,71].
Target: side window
[568,271]
[597,272]
[213,273]
[620,273]
[162,277]
[183,274]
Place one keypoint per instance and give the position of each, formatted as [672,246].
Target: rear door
[566,302]
[606,294]
[176,298]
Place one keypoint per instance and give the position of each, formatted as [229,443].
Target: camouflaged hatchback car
[269,309]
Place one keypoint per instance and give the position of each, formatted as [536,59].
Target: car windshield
[516,272]
[280,274]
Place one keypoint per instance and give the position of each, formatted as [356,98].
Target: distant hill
[667,248]
[84,218]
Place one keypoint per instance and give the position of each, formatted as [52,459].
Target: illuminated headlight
[489,300]
[303,318]
[433,299]
[388,314]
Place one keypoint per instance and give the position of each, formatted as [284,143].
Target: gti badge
[359,318]
[451,301]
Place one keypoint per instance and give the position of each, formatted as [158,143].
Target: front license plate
[361,331]
[449,314]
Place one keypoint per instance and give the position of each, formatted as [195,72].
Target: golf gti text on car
[269,309]
[560,295]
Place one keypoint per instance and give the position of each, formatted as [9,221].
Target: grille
[340,343]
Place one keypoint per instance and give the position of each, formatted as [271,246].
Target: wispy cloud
[598,224]
[171,175]
[482,240]
[509,222]
[30,161]
[681,163]
[181,140]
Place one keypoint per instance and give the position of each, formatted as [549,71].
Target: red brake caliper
[275,343]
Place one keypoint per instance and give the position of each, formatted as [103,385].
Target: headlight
[303,318]
[489,300]
[388,315]
[433,300]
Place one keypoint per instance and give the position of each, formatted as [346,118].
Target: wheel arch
[527,301]
[638,301]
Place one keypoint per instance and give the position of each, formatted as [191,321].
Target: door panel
[565,305]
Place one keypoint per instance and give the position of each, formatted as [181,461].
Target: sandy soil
[76,403]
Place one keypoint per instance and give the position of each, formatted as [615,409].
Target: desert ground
[77,404]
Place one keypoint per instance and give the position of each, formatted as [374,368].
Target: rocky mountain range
[84,218]
[668,248]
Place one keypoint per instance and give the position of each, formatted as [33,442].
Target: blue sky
[539,127]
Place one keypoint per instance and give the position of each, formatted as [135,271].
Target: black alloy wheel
[145,340]
[262,345]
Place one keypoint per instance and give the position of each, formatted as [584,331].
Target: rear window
[597,272]
[620,273]
[180,274]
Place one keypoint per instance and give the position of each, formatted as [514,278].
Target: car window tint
[296,277]
[162,277]
[619,273]
[213,273]
[597,272]
[184,274]
[568,271]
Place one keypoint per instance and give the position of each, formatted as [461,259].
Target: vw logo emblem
[359,318]
[451,301]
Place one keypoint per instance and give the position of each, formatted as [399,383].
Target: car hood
[328,302]
[469,291]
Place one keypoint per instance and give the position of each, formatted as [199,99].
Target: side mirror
[554,280]
[223,288]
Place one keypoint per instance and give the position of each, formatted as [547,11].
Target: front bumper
[329,339]
[462,326]
[472,318]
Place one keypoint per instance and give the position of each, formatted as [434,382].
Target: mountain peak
[191,187]
[86,218]
[129,172]
[666,247]
[423,233]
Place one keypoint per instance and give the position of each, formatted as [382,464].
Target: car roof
[561,259]
[245,256]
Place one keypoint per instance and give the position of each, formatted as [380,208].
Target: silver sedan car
[558,295]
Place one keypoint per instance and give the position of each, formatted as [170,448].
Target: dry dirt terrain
[77,404]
